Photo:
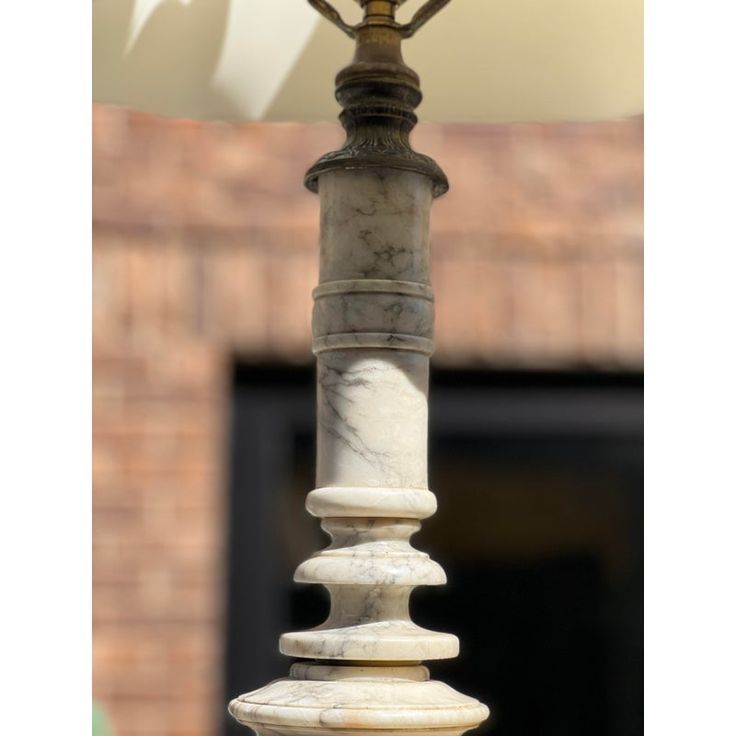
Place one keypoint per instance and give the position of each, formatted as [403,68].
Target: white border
[45,403]
[690,368]
[690,403]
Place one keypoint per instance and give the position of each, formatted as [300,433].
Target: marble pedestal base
[357,701]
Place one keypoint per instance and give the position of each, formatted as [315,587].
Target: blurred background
[205,254]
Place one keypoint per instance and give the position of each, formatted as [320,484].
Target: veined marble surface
[382,703]
[372,418]
[374,224]
[373,329]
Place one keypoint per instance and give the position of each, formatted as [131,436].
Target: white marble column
[372,327]
[360,672]
[373,336]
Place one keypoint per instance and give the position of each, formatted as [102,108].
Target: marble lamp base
[357,700]
[359,672]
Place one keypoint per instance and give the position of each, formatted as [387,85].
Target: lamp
[360,672]
[372,337]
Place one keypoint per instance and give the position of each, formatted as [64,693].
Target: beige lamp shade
[479,60]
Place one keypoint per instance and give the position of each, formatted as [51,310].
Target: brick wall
[205,249]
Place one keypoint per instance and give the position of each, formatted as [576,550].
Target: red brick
[629,311]
[236,297]
[598,317]
[292,277]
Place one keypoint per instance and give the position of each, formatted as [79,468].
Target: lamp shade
[479,60]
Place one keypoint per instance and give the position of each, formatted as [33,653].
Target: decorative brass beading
[378,93]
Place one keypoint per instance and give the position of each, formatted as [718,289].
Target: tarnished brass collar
[378,93]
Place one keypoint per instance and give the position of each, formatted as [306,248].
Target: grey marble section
[374,225]
[381,340]
[361,312]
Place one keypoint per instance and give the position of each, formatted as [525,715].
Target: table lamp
[361,672]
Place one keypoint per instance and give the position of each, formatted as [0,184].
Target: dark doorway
[539,482]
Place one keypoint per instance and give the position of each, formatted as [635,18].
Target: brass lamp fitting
[378,93]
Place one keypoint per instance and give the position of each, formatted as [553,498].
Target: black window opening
[539,480]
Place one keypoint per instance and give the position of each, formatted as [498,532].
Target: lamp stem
[360,672]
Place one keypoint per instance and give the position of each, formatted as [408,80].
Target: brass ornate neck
[378,93]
